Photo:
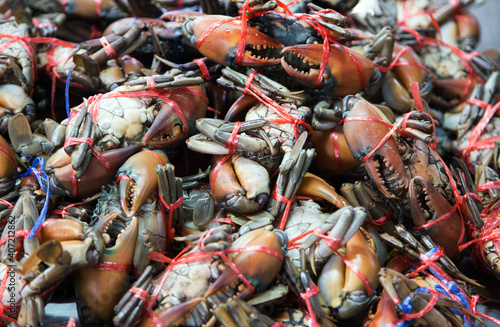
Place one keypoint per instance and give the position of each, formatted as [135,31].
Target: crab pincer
[137,179]
[218,37]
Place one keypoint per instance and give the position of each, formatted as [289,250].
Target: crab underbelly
[125,120]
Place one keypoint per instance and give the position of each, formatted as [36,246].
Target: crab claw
[259,268]
[241,185]
[341,287]
[99,289]
[427,205]
[221,44]
[341,76]
[167,128]
[62,181]
[137,179]
[385,167]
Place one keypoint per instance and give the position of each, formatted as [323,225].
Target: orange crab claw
[137,179]
[221,44]
[386,313]
[99,289]
[62,230]
[341,76]
[317,188]
[259,268]
[385,166]
[426,205]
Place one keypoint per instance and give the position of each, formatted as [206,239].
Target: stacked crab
[241,163]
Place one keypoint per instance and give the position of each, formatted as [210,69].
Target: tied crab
[117,124]
[209,277]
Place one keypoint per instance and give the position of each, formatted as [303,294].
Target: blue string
[66,92]
[39,161]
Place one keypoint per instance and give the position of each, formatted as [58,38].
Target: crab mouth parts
[391,181]
[263,52]
[301,64]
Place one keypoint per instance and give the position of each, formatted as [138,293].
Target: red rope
[110,51]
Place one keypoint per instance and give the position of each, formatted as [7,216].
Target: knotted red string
[171,207]
[79,140]
[311,291]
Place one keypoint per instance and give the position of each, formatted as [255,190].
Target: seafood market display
[249,163]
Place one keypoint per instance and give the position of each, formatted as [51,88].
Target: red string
[98,8]
[18,234]
[9,205]
[281,198]
[155,155]
[311,291]
[113,266]
[110,51]
[488,186]
[417,98]
[140,294]
[382,220]
[463,57]
[171,207]
[409,316]
[478,129]
[51,66]
[270,103]
[335,244]
[203,67]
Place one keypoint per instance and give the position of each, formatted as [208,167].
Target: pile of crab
[248,163]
